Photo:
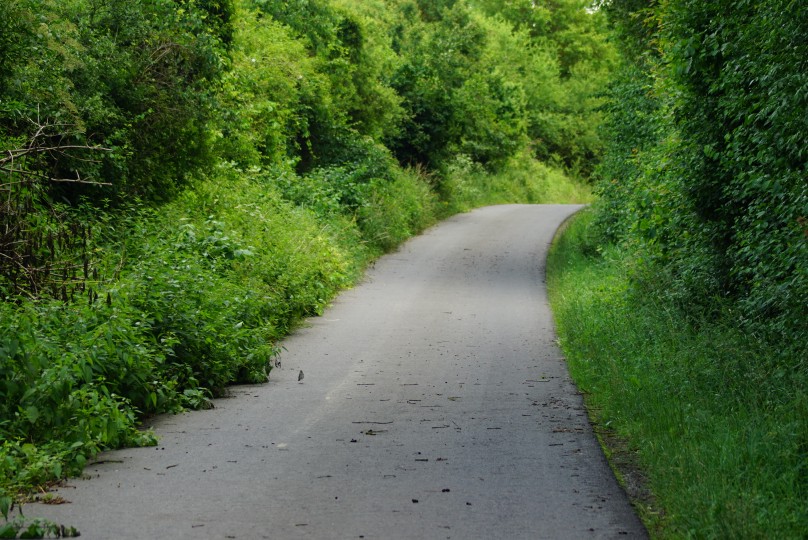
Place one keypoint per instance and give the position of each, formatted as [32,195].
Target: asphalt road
[434,405]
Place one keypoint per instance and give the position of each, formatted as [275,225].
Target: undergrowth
[524,180]
[715,416]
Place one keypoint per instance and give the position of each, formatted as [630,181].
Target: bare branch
[20,152]
[79,181]
[42,142]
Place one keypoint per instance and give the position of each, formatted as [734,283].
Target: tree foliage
[570,62]
[135,77]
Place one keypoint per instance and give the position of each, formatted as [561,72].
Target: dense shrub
[187,301]
[706,168]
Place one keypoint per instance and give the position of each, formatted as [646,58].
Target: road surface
[435,404]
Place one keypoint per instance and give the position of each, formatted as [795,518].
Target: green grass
[715,419]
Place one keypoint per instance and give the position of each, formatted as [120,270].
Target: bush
[396,210]
[188,300]
[74,379]
[521,179]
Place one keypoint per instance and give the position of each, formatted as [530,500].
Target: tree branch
[40,143]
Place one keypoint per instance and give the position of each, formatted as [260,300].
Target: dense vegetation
[682,303]
[705,173]
[183,180]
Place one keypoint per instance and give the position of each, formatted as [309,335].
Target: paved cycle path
[435,404]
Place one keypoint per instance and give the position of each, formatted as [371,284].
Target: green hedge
[705,172]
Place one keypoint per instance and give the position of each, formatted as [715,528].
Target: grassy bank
[708,413]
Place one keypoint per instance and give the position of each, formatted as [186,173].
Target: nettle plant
[18,527]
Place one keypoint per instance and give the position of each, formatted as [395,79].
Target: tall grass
[522,179]
[710,413]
